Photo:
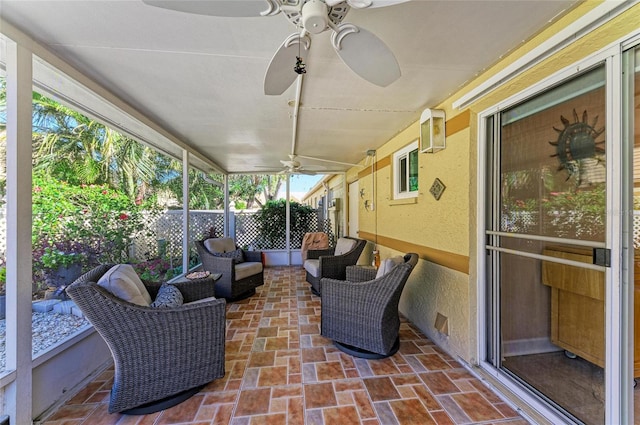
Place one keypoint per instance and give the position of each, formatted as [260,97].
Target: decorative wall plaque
[577,143]
[437,188]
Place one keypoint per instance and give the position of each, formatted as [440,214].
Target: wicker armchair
[361,317]
[162,356]
[239,280]
[332,263]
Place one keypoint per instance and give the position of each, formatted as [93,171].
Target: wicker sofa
[162,356]
[240,278]
[332,262]
[361,314]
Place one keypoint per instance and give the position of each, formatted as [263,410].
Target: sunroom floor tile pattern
[279,370]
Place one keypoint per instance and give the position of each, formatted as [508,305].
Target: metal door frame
[618,330]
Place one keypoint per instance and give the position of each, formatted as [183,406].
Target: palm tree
[74,148]
[71,147]
[249,187]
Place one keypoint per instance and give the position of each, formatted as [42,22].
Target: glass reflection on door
[549,206]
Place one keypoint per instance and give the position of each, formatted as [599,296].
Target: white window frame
[397,157]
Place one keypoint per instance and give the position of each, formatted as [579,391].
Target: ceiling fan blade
[225,8]
[375,3]
[280,74]
[362,4]
[290,164]
[327,160]
[366,55]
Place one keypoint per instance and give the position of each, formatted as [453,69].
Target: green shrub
[3,279]
[272,220]
[93,223]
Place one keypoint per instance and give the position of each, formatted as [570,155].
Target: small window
[405,172]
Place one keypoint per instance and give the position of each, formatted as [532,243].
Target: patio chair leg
[163,404]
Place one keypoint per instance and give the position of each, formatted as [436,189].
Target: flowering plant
[101,222]
[156,270]
[76,227]
[61,254]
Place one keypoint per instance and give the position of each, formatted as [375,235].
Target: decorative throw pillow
[237,255]
[168,296]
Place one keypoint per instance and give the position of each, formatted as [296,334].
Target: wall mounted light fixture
[432,131]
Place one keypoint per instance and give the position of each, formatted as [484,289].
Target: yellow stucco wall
[422,224]
[437,224]
[444,232]
[449,225]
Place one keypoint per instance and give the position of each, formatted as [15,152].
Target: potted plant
[60,264]
[153,271]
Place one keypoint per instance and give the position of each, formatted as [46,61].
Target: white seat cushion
[312,266]
[344,245]
[219,245]
[248,268]
[123,282]
[387,265]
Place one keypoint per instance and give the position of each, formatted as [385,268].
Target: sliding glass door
[546,239]
[562,233]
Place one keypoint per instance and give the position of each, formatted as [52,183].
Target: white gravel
[47,330]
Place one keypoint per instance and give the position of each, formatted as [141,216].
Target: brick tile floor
[279,370]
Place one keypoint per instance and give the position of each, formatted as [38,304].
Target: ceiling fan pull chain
[300,67]
[273,8]
[340,32]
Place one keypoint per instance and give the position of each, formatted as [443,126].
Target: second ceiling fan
[359,49]
[294,166]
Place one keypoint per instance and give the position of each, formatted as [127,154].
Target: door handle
[602,257]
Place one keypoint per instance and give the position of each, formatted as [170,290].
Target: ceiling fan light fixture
[315,17]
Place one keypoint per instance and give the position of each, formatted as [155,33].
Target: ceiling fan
[293,166]
[359,49]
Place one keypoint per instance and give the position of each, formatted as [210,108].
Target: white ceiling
[201,77]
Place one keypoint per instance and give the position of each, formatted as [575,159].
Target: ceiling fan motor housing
[315,17]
